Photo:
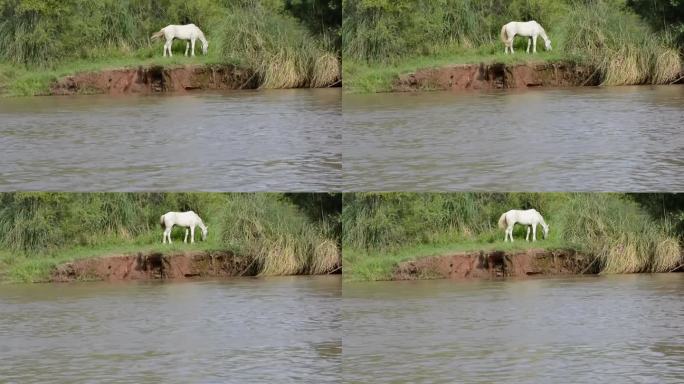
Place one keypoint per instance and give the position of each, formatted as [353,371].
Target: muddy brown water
[573,139]
[627,328]
[276,330]
[221,141]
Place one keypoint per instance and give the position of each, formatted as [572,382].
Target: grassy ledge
[285,47]
[282,234]
[619,231]
[384,40]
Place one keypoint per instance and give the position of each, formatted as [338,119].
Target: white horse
[188,32]
[187,219]
[530,218]
[529,29]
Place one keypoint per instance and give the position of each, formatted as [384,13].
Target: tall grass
[605,34]
[619,233]
[59,36]
[278,236]
[39,230]
[280,50]
[621,47]
[613,228]
[389,221]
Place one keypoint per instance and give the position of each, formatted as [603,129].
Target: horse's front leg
[527,237]
[187,48]
[193,47]
[186,236]
[534,232]
[534,44]
[529,42]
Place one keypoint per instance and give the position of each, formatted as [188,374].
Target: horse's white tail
[158,35]
[161,220]
[504,35]
[502,221]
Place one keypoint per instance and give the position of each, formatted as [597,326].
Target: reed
[40,230]
[280,50]
[278,236]
[381,229]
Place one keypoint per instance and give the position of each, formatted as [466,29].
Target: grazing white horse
[530,218]
[188,32]
[187,219]
[529,29]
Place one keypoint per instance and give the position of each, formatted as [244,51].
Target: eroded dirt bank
[154,79]
[155,265]
[495,264]
[497,76]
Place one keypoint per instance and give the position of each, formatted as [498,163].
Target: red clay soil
[494,264]
[156,79]
[156,266]
[497,76]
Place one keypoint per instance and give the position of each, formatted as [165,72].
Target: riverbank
[174,262]
[146,77]
[496,264]
[493,73]
[73,233]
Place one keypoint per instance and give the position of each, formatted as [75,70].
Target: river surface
[617,329]
[275,330]
[280,140]
[578,139]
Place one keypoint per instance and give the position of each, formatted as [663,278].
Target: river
[275,330]
[576,139]
[279,140]
[613,329]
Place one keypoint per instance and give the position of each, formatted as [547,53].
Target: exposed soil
[497,76]
[495,264]
[156,79]
[156,265]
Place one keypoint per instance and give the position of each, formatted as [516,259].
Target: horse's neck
[542,33]
[200,36]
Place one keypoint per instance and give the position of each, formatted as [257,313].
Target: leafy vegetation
[41,230]
[381,229]
[397,36]
[269,36]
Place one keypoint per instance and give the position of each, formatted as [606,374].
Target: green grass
[38,267]
[22,81]
[41,43]
[42,230]
[375,266]
[365,77]
[382,40]
[382,229]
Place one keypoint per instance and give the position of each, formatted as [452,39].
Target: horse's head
[205,47]
[545,227]
[547,45]
[204,232]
